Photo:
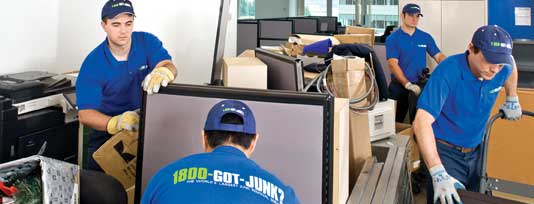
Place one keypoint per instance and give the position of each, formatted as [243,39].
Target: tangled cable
[322,86]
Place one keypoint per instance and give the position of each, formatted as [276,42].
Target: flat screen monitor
[295,134]
[283,72]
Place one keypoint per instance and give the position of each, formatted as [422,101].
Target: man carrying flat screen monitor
[224,173]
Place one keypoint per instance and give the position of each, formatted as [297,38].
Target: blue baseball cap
[412,9]
[495,43]
[113,8]
[213,121]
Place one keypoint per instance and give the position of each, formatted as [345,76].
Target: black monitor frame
[253,95]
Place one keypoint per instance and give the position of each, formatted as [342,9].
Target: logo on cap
[215,115]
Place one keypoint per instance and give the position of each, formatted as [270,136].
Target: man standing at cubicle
[225,173]
[108,88]
[406,50]
[455,106]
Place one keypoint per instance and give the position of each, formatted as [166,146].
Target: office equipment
[290,147]
[283,72]
[36,115]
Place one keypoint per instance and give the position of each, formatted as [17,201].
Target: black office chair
[99,188]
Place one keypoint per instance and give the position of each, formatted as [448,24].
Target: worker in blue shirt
[225,173]
[108,88]
[406,50]
[454,109]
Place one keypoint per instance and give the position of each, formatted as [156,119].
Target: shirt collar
[109,55]
[405,33]
[229,150]
[466,70]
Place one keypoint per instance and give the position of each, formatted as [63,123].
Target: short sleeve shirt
[459,102]
[113,87]
[411,51]
[224,175]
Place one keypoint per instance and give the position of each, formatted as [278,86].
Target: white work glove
[128,120]
[511,108]
[413,88]
[160,76]
[445,185]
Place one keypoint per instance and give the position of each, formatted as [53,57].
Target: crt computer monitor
[294,143]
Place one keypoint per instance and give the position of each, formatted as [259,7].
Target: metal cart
[487,184]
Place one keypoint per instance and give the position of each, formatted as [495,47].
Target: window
[315,7]
[369,13]
[247,9]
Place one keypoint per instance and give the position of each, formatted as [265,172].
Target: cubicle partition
[247,35]
[275,31]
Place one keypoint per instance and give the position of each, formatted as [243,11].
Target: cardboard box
[341,189]
[355,34]
[293,49]
[60,180]
[247,53]
[356,39]
[415,158]
[244,72]
[349,78]
[118,158]
[130,192]
[360,146]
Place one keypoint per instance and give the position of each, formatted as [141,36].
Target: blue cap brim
[498,58]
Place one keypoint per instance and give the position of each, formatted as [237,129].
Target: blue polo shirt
[410,51]
[224,175]
[113,87]
[459,102]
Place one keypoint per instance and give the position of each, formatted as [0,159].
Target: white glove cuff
[407,85]
[512,98]
[437,169]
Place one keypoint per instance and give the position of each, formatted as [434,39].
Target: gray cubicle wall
[247,35]
[273,32]
[305,25]
[295,134]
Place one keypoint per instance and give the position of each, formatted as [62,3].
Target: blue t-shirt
[224,175]
[410,51]
[113,87]
[459,102]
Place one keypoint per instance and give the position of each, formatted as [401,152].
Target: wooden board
[341,151]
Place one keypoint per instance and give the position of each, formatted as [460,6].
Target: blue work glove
[511,108]
[445,186]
